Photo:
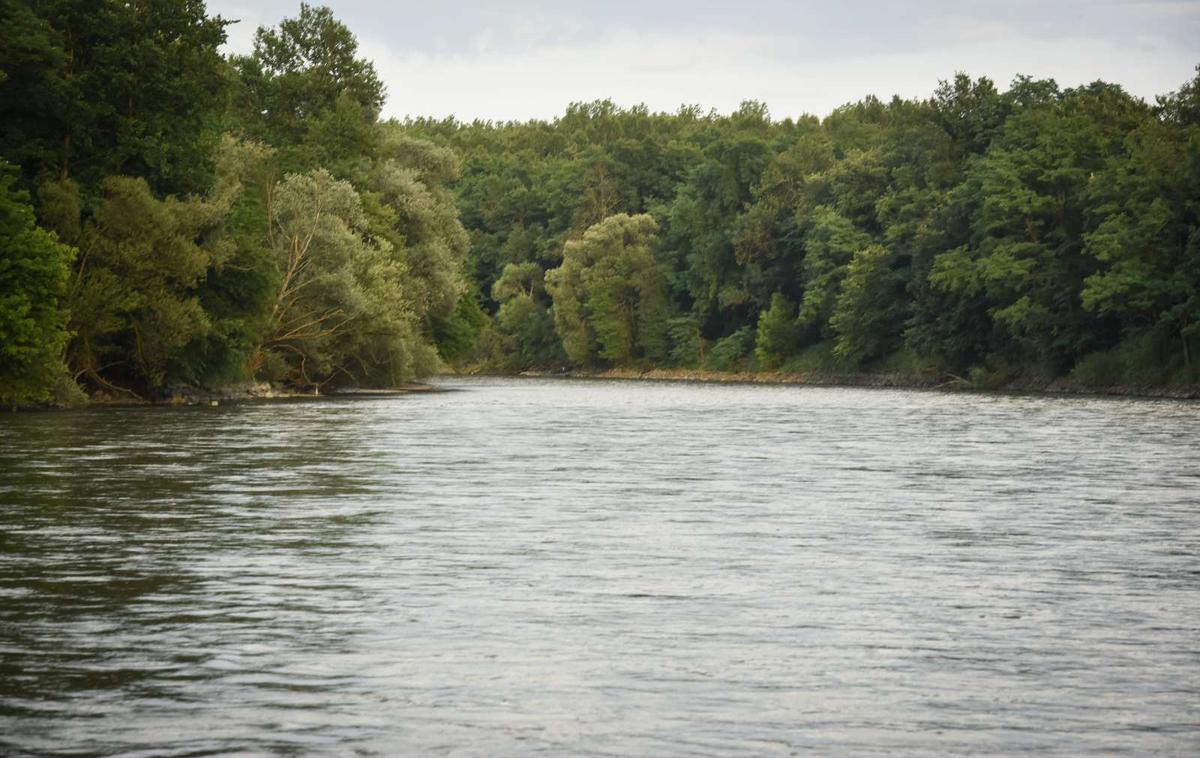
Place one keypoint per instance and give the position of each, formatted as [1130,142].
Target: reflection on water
[614,568]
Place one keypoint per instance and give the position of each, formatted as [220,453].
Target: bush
[777,332]
[687,345]
[817,359]
[1139,359]
[729,353]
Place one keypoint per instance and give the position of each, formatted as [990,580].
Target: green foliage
[1018,230]
[197,263]
[777,333]
[818,358]
[94,89]
[610,300]
[304,89]
[134,299]
[524,323]
[34,268]
[1140,359]
[343,309]
[829,246]
[1146,233]
[733,352]
[687,343]
[528,336]
[457,335]
[867,315]
[410,207]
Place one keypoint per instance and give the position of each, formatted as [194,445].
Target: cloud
[720,70]
[530,58]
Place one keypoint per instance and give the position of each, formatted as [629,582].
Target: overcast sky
[525,59]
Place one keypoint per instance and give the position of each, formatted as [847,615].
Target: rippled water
[624,568]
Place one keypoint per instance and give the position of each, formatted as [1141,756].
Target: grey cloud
[1149,46]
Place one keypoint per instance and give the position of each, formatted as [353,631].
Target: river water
[512,567]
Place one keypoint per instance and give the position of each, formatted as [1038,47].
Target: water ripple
[542,566]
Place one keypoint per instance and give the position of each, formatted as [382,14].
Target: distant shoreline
[260,392]
[1057,388]
[263,393]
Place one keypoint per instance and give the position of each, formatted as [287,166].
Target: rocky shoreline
[260,391]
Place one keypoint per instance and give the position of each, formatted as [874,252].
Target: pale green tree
[610,294]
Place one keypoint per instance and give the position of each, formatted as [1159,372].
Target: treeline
[988,235]
[171,216]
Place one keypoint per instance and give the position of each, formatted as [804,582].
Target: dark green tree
[305,90]
[93,89]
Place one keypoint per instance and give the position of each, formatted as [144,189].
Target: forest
[172,216]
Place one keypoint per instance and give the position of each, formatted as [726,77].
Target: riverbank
[246,392]
[870,380]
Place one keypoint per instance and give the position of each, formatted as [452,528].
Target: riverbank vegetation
[171,216]
[204,220]
[979,235]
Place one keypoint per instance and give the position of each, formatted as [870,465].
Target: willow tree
[610,294]
[409,203]
[134,296]
[343,311]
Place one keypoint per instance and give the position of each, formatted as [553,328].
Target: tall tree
[610,299]
[1145,205]
[97,88]
[34,268]
[305,90]
[134,299]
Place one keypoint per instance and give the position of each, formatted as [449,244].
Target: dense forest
[172,216]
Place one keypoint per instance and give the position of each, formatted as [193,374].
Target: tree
[523,320]
[1029,198]
[609,294]
[343,311]
[1146,205]
[34,268]
[867,316]
[411,207]
[97,89]
[304,90]
[829,246]
[777,333]
[1015,231]
[134,299]
[701,223]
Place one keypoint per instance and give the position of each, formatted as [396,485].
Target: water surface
[621,568]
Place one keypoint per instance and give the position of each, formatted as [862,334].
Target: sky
[524,59]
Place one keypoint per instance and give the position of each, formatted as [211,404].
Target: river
[510,567]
